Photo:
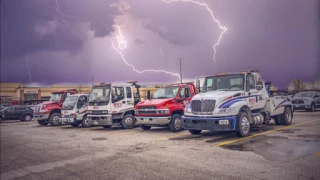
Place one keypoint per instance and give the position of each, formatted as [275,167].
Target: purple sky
[278,37]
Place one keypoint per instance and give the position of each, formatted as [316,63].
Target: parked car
[307,100]
[22,113]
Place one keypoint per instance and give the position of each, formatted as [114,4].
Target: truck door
[182,96]
[129,96]
[81,106]
[254,99]
[119,100]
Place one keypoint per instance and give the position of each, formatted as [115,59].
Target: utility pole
[180,70]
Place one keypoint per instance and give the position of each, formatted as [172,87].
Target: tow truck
[50,111]
[235,102]
[74,110]
[113,104]
[166,106]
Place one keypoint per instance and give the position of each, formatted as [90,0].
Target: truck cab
[165,107]
[234,102]
[50,111]
[74,110]
[113,104]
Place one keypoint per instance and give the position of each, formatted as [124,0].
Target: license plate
[95,123]
[146,120]
[223,121]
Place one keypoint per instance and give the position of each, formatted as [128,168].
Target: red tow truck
[50,111]
[166,106]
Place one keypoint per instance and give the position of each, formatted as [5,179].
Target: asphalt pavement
[29,151]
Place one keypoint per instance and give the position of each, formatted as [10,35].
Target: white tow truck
[113,104]
[74,110]
[234,102]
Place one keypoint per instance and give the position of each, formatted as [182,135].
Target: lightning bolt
[60,12]
[223,28]
[27,61]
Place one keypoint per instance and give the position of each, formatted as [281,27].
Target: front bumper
[209,123]
[67,120]
[301,106]
[141,120]
[41,117]
[100,120]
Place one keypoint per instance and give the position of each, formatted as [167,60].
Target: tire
[74,125]
[313,107]
[109,126]
[27,117]
[128,121]
[43,123]
[286,117]
[175,124]
[143,127]
[195,132]
[85,123]
[243,125]
[54,119]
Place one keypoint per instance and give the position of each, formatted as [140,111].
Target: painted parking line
[317,154]
[263,133]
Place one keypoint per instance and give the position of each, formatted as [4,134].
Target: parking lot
[29,151]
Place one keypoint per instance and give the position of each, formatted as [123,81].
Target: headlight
[226,110]
[104,112]
[307,101]
[188,108]
[163,111]
[90,112]
[136,112]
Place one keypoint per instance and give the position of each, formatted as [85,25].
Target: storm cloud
[72,42]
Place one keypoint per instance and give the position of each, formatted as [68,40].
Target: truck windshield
[167,92]
[70,102]
[304,94]
[99,94]
[232,82]
[56,97]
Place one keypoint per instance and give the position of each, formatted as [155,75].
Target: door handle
[123,102]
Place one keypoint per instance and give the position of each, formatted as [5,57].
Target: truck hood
[155,102]
[217,95]
[50,102]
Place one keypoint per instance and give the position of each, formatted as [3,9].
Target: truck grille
[204,106]
[97,112]
[297,102]
[147,110]
[37,108]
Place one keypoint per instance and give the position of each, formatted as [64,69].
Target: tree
[296,86]
[314,86]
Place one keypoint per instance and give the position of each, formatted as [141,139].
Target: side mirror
[198,85]
[259,87]
[148,94]
[186,93]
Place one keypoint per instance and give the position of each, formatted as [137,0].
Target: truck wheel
[106,126]
[54,119]
[43,123]
[313,108]
[175,123]
[85,122]
[128,121]
[286,117]
[194,132]
[27,117]
[243,125]
[143,127]
[74,125]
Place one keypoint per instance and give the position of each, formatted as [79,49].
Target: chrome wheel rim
[245,125]
[128,121]
[56,120]
[177,123]
[27,118]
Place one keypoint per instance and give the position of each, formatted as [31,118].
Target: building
[17,93]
